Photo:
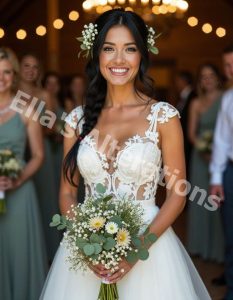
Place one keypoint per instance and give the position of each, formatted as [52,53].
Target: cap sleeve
[74,117]
[166,111]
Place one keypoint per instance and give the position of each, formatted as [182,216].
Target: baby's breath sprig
[151,40]
[87,39]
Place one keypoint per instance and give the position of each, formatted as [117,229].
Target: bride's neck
[118,96]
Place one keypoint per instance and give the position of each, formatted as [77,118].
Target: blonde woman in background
[22,251]
[205,235]
[30,77]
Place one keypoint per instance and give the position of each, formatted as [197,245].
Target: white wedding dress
[168,273]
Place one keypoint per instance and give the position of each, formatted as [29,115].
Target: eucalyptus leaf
[100,188]
[94,238]
[89,249]
[56,218]
[109,244]
[152,237]
[61,227]
[154,50]
[136,242]
[132,257]
[143,253]
[81,243]
[98,248]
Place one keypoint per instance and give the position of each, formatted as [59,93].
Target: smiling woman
[136,134]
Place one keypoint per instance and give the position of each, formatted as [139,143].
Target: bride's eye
[108,49]
[131,49]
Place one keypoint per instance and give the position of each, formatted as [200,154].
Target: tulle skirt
[168,274]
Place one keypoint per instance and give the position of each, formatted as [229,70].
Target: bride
[120,138]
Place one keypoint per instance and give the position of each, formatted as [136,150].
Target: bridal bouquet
[9,167]
[204,142]
[103,230]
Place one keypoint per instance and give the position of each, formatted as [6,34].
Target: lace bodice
[134,171]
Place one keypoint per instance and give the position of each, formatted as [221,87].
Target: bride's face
[119,57]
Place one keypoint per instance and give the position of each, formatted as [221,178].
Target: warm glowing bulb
[182,5]
[106,8]
[103,2]
[112,2]
[58,23]
[144,2]
[156,1]
[41,30]
[73,15]
[163,9]
[121,2]
[2,33]
[128,8]
[171,9]
[87,5]
[221,32]
[132,1]
[21,34]
[166,2]
[192,21]
[155,10]
[207,28]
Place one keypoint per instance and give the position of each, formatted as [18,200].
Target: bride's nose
[119,57]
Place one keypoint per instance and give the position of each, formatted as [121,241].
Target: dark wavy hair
[97,86]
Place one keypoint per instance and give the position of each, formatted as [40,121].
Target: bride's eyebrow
[126,44]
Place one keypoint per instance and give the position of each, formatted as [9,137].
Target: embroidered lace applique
[135,170]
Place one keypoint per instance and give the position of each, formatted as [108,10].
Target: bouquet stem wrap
[108,291]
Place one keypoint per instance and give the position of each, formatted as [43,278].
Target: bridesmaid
[30,73]
[76,92]
[52,84]
[205,235]
[22,251]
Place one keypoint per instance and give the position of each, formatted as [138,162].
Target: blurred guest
[30,73]
[205,234]
[52,84]
[22,250]
[76,92]
[183,83]
[222,168]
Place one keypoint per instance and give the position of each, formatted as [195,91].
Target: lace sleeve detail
[73,118]
[166,112]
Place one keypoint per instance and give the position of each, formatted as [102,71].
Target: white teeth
[119,70]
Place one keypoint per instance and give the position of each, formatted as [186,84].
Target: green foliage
[143,253]
[100,188]
[109,244]
[89,249]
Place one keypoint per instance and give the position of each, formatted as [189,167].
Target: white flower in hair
[151,40]
[87,39]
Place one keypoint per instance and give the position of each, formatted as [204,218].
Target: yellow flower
[97,223]
[123,238]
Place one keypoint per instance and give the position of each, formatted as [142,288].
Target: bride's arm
[68,192]
[171,143]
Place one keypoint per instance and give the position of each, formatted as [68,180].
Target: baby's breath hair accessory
[151,40]
[87,39]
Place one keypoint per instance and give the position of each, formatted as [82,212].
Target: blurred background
[194,33]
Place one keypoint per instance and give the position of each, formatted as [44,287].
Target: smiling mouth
[118,71]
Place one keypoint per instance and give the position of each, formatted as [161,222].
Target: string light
[21,34]
[207,28]
[58,23]
[192,21]
[221,32]
[2,32]
[73,15]
[41,30]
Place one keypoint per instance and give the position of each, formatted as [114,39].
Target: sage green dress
[205,232]
[47,193]
[23,261]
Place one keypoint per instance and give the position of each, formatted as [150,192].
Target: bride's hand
[123,268]
[99,270]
